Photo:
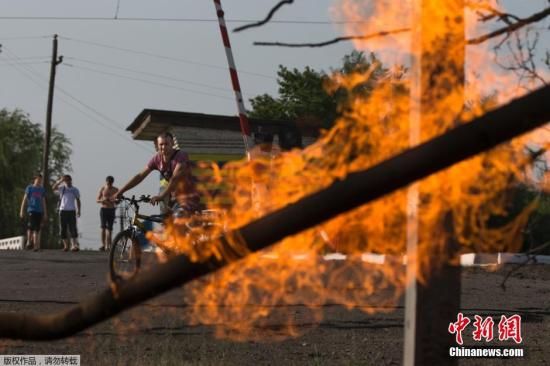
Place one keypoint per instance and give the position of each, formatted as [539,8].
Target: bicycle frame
[126,252]
[137,221]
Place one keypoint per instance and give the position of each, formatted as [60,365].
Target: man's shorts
[34,220]
[67,221]
[107,216]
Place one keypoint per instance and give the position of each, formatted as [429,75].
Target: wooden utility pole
[46,153]
[438,44]
[47,136]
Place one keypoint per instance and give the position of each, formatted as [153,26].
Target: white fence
[15,243]
[502,258]
[466,260]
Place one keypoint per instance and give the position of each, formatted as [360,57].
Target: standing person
[35,200]
[106,197]
[175,169]
[69,210]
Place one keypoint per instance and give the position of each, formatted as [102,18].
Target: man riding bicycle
[178,188]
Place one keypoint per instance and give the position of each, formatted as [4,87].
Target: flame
[456,205]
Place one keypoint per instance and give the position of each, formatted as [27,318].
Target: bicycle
[126,252]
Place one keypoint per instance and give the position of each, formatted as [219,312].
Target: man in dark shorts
[107,198]
[175,169]
[35,200]
[69,210]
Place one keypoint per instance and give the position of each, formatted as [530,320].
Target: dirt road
[156,332]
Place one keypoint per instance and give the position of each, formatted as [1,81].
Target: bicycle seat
[157,218]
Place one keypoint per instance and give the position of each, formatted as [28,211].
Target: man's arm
[99,195]
[137,179]
[78,206]
[56,185]
[23,204]
[179,172]
[112,196]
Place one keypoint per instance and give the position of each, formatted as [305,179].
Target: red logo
[459,326]
[483,328]
[508,328]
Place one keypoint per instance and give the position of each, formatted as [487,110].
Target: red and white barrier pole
[245,128]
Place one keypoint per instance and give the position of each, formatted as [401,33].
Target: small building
[215,137]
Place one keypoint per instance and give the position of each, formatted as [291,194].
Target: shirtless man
[107,198]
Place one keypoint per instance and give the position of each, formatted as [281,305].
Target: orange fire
[454,205]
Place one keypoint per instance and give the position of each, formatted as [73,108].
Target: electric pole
[45,157]
[47,132]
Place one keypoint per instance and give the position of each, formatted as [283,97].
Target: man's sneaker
[102,249]
[75,249]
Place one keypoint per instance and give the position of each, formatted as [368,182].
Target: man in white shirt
[69,210]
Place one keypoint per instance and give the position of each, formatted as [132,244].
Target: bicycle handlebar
[133,200]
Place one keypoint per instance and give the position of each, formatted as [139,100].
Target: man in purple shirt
[175,170]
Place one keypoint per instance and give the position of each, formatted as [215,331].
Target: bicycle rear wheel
[125,257]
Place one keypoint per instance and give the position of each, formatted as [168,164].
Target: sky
[113,69]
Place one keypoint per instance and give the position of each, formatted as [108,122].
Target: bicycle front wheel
[125,257]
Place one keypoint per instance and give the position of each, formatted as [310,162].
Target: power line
[6,63]
[32,57]
[141,72]
[22,37]
[25,62]
[108,126]
[32,74]
[149,82]
[182,20]
[23,70]
[170,58]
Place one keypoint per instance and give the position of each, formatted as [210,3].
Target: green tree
[21,146]
[311,97]
[301,97]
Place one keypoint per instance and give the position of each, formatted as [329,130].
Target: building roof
[152,122]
